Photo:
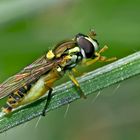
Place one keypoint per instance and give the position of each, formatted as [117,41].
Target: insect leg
[48,99]
[105,59]
[103,49]
[99,57]
[74,70]
[73,79]
[90,62]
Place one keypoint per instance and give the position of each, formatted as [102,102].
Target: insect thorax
[75,59]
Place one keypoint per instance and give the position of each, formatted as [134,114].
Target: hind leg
[48,99]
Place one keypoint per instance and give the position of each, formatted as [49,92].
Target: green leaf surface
[66,93]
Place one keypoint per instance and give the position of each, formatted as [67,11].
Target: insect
[36,79]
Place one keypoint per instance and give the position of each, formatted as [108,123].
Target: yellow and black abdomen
[16,97]
[30,92]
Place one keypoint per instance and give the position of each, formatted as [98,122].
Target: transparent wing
[27,75]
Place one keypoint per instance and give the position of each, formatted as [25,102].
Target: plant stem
[66,93]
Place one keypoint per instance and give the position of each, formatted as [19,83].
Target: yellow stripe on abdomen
[40,87]
[36,91]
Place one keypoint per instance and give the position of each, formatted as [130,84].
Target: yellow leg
[75,70]
[103,49]
[104,59]
[99,57]
[73,79]
[90,62]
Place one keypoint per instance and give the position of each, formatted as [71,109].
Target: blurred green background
[30,28]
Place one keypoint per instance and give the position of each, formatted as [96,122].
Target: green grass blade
[66,93]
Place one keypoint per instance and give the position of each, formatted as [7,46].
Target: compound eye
[87,46]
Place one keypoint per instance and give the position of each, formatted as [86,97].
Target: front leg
[74,80]
[99,57]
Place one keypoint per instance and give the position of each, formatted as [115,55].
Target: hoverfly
[36,79]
